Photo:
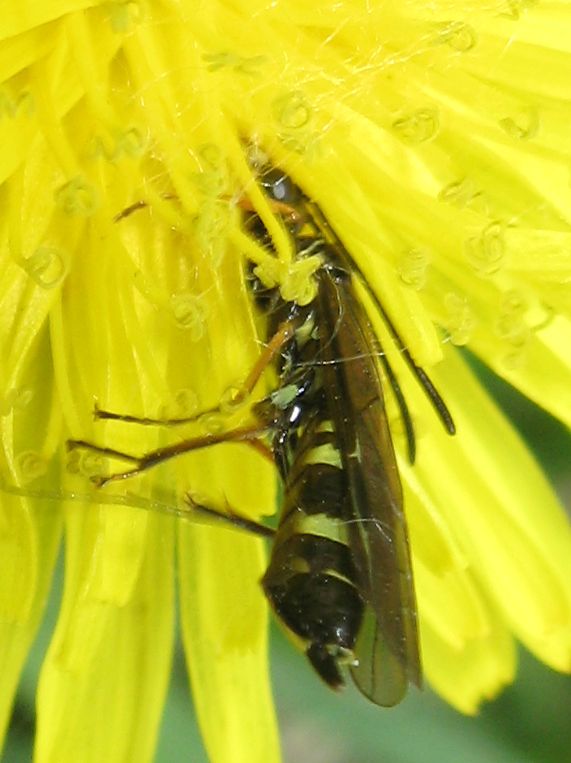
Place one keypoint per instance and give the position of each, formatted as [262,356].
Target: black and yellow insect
[339,576]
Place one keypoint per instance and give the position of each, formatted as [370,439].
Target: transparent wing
[387,646]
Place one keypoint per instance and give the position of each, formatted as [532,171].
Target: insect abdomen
[310,585]
[311,578]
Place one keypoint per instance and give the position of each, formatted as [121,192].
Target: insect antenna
[403,407]
[423,378]
[321,222]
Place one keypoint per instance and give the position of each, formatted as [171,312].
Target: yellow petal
[477,670]
[110,658]
[505,516]
[29,529]
[224,619]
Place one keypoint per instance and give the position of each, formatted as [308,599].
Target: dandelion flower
[435,138]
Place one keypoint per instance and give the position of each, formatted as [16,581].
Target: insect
[339,576]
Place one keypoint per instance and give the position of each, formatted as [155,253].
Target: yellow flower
[435,137]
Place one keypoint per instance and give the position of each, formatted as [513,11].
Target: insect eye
[279,187]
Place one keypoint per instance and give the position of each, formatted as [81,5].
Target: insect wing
[387,645]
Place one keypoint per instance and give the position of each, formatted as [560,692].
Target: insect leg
[99,413]
[286,211]
[141,204]
[283,334]
[236,521]
[153,457]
